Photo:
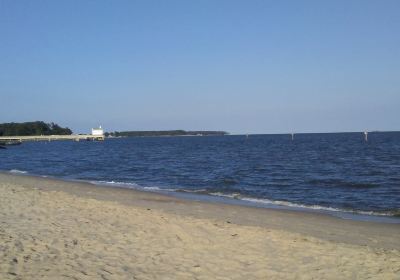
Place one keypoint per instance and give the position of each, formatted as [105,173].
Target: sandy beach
[52,229]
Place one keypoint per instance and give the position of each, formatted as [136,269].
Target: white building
[97,131]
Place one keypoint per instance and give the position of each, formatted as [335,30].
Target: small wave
[117,184]
[238,196]
[199,191]
[152,188]
[232,195]
[18,171]
[159,189]
[303,206]
[131,186]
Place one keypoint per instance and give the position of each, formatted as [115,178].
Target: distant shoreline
[108,135]
[223,133]
[158,133]
[329,132]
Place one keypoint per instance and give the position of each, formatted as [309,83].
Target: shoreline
[367,216]
[54,229]
[302,222]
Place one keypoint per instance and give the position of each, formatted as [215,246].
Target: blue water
[337,172]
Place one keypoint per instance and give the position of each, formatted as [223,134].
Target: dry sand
[51,229]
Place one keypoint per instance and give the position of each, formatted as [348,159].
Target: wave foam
[237,196]
[298,205]
[131,186]
[117,184]
[157,189]
[18,171]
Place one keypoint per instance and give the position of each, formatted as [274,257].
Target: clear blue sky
[241,66]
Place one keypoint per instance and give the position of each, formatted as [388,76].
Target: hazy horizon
[88,131]
[245,67]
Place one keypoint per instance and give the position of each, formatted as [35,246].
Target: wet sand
[52,229]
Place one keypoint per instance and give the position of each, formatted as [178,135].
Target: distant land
[164,133]
[33,129]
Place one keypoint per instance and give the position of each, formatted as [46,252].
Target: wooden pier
[74,137]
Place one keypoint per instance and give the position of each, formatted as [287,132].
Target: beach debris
[105,270]
[177,237]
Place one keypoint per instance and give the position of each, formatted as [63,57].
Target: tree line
[33,128]
[164,133]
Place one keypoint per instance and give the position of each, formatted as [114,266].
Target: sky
[240,66]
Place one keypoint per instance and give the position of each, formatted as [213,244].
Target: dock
[74,137]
